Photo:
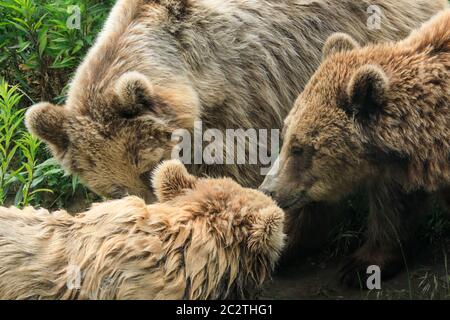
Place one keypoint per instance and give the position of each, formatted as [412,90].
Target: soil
[428,277]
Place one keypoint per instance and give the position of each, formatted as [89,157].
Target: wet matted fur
[205,239]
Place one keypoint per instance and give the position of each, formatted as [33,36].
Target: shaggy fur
[160,65]
[206,239]
[377,116]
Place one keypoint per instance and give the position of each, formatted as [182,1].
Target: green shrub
[40,47]
[18,150]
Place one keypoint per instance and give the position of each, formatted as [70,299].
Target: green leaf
[57,171]
[41,190]
[42,41]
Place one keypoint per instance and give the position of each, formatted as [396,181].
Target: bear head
[369,115]
[113,138]
[223,198]
[324,153]
[234,235]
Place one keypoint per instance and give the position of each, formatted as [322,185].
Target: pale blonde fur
[212,240]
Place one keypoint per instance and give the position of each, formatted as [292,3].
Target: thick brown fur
[377,116]
[205,239]
[161,65]
[445,196]
[231,64]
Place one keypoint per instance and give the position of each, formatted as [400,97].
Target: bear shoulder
[434,35]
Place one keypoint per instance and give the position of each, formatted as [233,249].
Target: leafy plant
[18,150]
[41,43]
[40,48]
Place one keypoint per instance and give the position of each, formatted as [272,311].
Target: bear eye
[297,151]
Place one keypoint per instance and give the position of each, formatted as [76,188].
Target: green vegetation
[41,43]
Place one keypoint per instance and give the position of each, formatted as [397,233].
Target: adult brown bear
[161,65]
[377,117]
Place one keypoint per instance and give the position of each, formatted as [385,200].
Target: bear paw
[354,272]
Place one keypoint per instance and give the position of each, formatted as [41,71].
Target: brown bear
[163,65]
[204,239]
[379,117]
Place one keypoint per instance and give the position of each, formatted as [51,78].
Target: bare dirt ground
[428,277]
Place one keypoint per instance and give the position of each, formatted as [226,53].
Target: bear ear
[367,91]
[170,179]
[135,95]
[46,121]
[266,233]
[339,42]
